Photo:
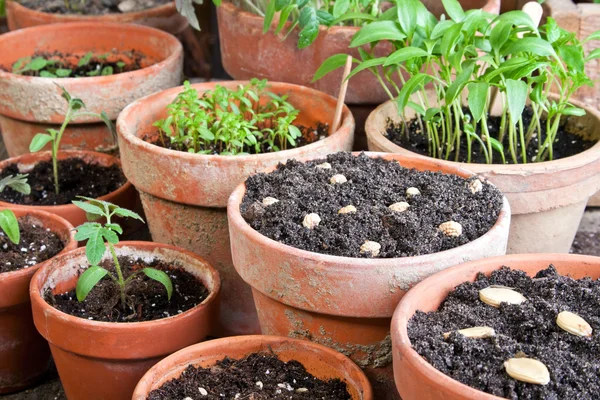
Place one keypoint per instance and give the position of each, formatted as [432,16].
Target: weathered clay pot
[547,199]
[416,379]
[108,359]
[28,104]
[24,355]
[184,195]
[342,302]
[125,196]
[319,360]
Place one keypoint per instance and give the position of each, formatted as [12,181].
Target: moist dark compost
[259,376]
[529,328]
[91,7]
[37,245]
[373,184]
[146,298]
[76,178]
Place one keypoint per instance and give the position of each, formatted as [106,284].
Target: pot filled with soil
[518,326]
[107,66]
[330,246]
[190,175]
[265,367]
[41,236]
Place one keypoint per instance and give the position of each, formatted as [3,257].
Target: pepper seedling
[98,237]
[18,183]
[10,226]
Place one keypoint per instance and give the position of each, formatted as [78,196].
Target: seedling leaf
[123,212]
[17,183]
[10,226]
[39,141]
[161,277]
[88,280]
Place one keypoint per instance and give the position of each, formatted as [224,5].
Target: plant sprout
[50,68]
[10,226]
[17,183]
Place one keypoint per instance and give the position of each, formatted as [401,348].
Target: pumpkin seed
[338,179]
[325,165]
[574,324]
[347,210]
[401,206]
[494,296]
[311,221]
[527,370]
[476,332]
[267,201]
[370,248]
[412,191]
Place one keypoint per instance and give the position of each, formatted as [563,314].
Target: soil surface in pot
[259,376]
[528,328]
[91,7]
[373,184]
[37,245]
[75,176]
[567,144]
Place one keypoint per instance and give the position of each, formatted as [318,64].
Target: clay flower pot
[125,196]
[320,361]
[342,302]
[415,377]
[29,105]
[108,359]
[547,199]
[185,195]
[28,356]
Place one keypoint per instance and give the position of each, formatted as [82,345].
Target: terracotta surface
[342,302]
[247,53]
[547,199]
[114,356]
[125,196]
[415,378]
[320,361]
[185,195]
[24,355]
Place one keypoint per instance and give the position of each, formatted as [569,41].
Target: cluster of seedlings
[60,66]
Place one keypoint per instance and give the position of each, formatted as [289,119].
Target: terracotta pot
[547,199]
[25,355]
[28,102]
[320,361]
[108,359]
[415,378]
[342,302]
[248,53]
[184,195]
[125,196]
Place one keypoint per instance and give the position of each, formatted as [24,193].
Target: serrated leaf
[17,183]
[88,280]
[110,236]
[39,141]
[161,277]
[89,208]
[95,247]
[125,213]
[86,230]
[10,226]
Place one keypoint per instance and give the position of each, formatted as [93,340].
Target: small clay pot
[319,361]
[416,379]
[27,357]
[106,360]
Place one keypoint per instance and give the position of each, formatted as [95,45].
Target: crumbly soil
[91,7]
[529,328]
[37,245]
[567,144]
[259,376]
[146,299]
[373,185]
[75,176]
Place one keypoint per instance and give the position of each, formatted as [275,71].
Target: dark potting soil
[75,176]
[373,185]
[259,376]
[37,245]
[92,7]
[146,299]
[529,328]
[567,144]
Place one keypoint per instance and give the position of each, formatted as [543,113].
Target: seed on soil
[412,191]
[527,370]
[267,201]
[311,220]
[451,229]
[347,210]
[477,332]
[370,248]
[494,296]
[400,206]
[301,390]
[325,165]
[203,391]
[338,179]
[574,324]
[475,186]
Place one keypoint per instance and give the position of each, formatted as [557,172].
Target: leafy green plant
[474,57]
[99,237]
[17,183]
[53,136]
[229,122]
[10,226]
[51,68]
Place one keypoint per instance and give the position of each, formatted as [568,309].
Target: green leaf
[89,208]
[161,277]
[10,226]
[533,45]
[108,70]
[310,27]
[39,141]
[340,7]
[459,83]
[593,36]
[575,111]
[454,10]
[500,34]
[593,55]
[110,125]
[115,227]
[88,280]
[450,39]
[353,16]
[477,99]
[331,64]
[17,183]
[86,230]
[63,73]
[125,213]
[516,93]
[517,18]
[283,17]
[95,247]
[37,64]
[405,53]
[46,74]
[413,84]
[573,57]
[269,14]
[441,27]
[376,31]
[85,59]
[374,62]
[110,236]
[407,16]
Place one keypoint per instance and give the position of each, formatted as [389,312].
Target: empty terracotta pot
[320,361]
[342,302]
[415,378]
[106,360]
[184,195]
[24,354]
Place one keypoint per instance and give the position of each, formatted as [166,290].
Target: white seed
[325,165]
[574,324]
[259,384]
[203,391]
[412,191]
[370,248]
[527,370]
[496,295]
[477,332]
[311,220]
[400,206]
[475,186]
[451,229]
[301,390]
[188,398]
[267,201]
[347,210]
[338,179]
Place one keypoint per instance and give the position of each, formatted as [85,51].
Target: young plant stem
[120,281]
[55,144]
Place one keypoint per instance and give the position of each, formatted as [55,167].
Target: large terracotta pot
[547,199]
[342,302]
[27,356]
[184,195]
[320,361]
[125,196]
[30,104]
[105,360]
[416,379]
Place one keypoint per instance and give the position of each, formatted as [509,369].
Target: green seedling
[18,183]
[99,237]
[10,226]
[49,68]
